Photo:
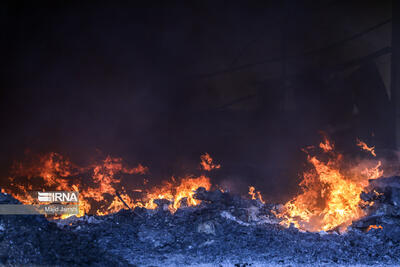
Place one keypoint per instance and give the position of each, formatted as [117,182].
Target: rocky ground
[224,230]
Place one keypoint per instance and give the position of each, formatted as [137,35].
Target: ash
[224,230]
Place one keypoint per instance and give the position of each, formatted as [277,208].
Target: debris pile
[223,229]
[382,205]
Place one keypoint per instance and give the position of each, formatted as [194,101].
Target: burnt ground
[223,231]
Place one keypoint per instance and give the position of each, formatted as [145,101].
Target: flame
[99,183]
[326,146]
[175,192]
[365,147]
[207,163]
[255,194]
[374,227]
[330,195]
[374,172]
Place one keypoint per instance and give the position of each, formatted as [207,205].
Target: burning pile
[99,185]
[187,221]
[329,198]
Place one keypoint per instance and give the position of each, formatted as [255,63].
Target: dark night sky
[128,79]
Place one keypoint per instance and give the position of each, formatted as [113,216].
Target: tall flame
[330,195]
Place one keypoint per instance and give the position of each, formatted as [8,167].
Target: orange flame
[207,163]
[330,195]
[255,194]
[365,147]
[374,172]
[175,192]
[374,227]
[326,146]
[99,193]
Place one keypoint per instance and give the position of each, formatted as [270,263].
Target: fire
[374,172]
[365,147]
[175,192]
[326,146]
[207,163]
[255,194]
[374,227]
[99,185]
[330,195]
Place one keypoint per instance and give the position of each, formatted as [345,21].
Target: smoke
[125,81]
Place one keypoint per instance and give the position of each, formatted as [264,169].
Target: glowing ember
[365,147]
[255,194]
[330,195]
[374,227]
